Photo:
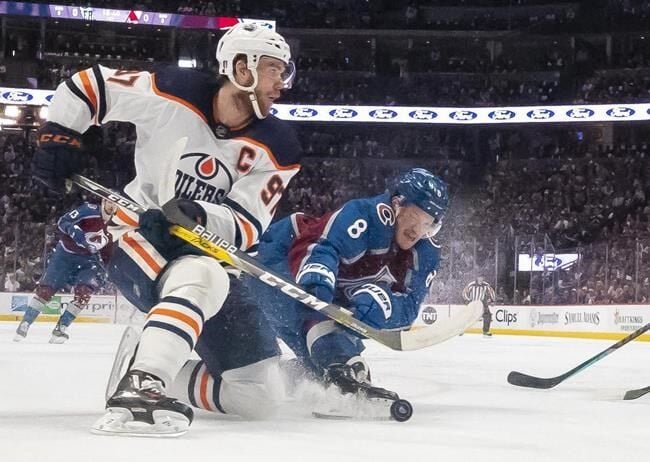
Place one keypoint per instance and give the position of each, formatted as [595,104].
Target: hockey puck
[401,410]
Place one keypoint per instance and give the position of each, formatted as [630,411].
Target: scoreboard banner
[150,18]
[405,114]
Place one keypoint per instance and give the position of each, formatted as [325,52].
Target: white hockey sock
[195,385]
[168,338]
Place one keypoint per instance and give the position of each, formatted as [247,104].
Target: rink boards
[578,321]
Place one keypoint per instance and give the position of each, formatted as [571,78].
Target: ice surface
[464,408]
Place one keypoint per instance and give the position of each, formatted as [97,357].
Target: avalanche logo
[423,114]
[17,96]
[303,112]
[386,214]
[206,166]
[501,114]
[343,113]
[97,239]
[620,112]
[540,114]
[580,113]
[383,114]
[463,115]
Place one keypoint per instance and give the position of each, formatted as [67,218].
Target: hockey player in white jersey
[229,175]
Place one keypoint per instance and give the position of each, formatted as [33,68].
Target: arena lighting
[12,111]
[613,112]
[187,63]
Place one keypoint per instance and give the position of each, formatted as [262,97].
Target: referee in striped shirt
[482,291]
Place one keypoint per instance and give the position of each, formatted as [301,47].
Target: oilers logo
[203,177]
[303,112]
[273,111]
[48,98]
[17,96]
[463,115]
[383,114]
[501,114]
[620,112]
[580,113]
[423,114]
[540,114]
[343,113]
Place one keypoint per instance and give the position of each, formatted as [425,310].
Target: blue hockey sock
[67,318]
[31,314]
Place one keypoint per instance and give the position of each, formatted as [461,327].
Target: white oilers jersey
[237,176]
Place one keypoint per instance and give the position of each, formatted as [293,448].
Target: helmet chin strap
[251,92]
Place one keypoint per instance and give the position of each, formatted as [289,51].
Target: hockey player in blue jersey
[77,261]
[375,256]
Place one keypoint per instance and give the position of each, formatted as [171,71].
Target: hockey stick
[524,380]
[205,240]
[634,394]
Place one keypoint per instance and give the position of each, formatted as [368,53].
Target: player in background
[83,248]
[211,143]
[480,290]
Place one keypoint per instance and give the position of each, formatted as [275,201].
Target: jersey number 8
[357,228]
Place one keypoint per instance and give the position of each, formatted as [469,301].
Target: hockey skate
[59,334]
[363,400]
[21,331]
[139,407]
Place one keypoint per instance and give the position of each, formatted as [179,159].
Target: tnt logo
[383,114]
[540,114]
[580,113]
[17,96]
[423,114]
[501,114]
[620,112]
[303,112]
[429,315]
[343,113]
[463,115]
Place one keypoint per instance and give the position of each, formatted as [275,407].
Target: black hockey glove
[154,226]
[58,155]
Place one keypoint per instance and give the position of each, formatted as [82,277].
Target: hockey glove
[373,304]
[318,280]
[154,226]
[57,157]
[79,237]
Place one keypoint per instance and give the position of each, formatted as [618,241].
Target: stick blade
[634,394]
[528,381]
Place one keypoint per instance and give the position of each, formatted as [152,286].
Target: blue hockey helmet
[426,190]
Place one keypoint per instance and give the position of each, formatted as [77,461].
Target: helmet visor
[289,75]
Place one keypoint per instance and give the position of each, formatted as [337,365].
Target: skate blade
[335,415]
[119,422]
[19,338]
[355,408]
[57,340]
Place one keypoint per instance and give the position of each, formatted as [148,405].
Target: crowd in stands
[513,191]
[590,199]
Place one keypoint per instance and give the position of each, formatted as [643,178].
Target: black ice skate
[354,380]
[59,334]
[139,407]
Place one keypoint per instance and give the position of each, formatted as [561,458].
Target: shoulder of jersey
[375,210]
[278,136]
[194,87]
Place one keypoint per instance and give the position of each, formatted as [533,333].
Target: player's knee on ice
[254,391]
[201,280]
